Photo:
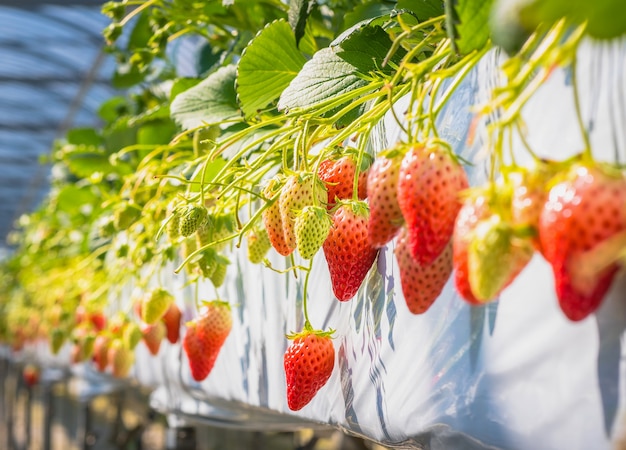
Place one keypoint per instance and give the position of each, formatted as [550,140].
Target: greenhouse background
[119,119]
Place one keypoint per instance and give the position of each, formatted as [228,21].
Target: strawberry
[385,214]
[258,244]
[205,337]
[153,335]
[421,285]
[338,172]
[347,249]
[311,229]
[475,208]
[309,361]
[98,320]
[30,375]
[192,216]
[154,305]
[297,193]
[171,319]
[132,335]
[429,184]
[529,195]
[218,275]
[57,339]
[121,358]
[101,352]
[496,255]
[173,223]
[583,211]
[272,220]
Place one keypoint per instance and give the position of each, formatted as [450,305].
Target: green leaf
[212,101]
[70,198]
[423,9]
[299,11]
[181,85]
[369,10]
[84,163]
[157,132]
[267,66]
[141,33]
[84,136]
[468,24]
[325,76]
[113,108]
[212,169]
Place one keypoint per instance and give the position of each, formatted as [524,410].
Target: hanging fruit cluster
[269,152]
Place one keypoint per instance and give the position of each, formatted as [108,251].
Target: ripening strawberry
[475,208]
[272,219]
[132,335]
[496,255]
[153,335]
[421,285]
[171,319]
[258,244]
[582,213]
[297,193]
[429,185]
[154,305]
[205,337]
[98,320]
[101,352]
[385,214]
[191,217]
[121,358]
[530,193]
[309,362]
[31,375]
[311,228]
[338,172]
[347,249]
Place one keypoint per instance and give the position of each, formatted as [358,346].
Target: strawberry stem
[304,294]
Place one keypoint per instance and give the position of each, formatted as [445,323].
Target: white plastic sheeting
[513,374]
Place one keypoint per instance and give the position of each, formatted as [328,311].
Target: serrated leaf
[468,24]
[181,85]
[210,102]
[423,9]
[267,66]
[299,11]
[325,76]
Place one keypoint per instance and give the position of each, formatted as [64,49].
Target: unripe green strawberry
[155,304]
[125,215]
[207,263]
[215,228]
[219,274]
[272,219]
[191,218]
[258,244]
[311,228]
[121,358]
[132,335]
[308,362]
[57,340]
[173,225]
[297,193]
[495,257]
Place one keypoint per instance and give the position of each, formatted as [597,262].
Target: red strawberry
[171,319]
[101,352]
[309,362]
[338,172]
[385,214]
[31,375]
[583,212]
[429,184]
[205,336]
[273,221]
[347,249]
[421,285]
[98,320]
[475,208]
[153,335]
[297,193]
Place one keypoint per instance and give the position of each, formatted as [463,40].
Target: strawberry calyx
[358,207]
[307,330]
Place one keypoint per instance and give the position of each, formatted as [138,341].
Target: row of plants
[270,149]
